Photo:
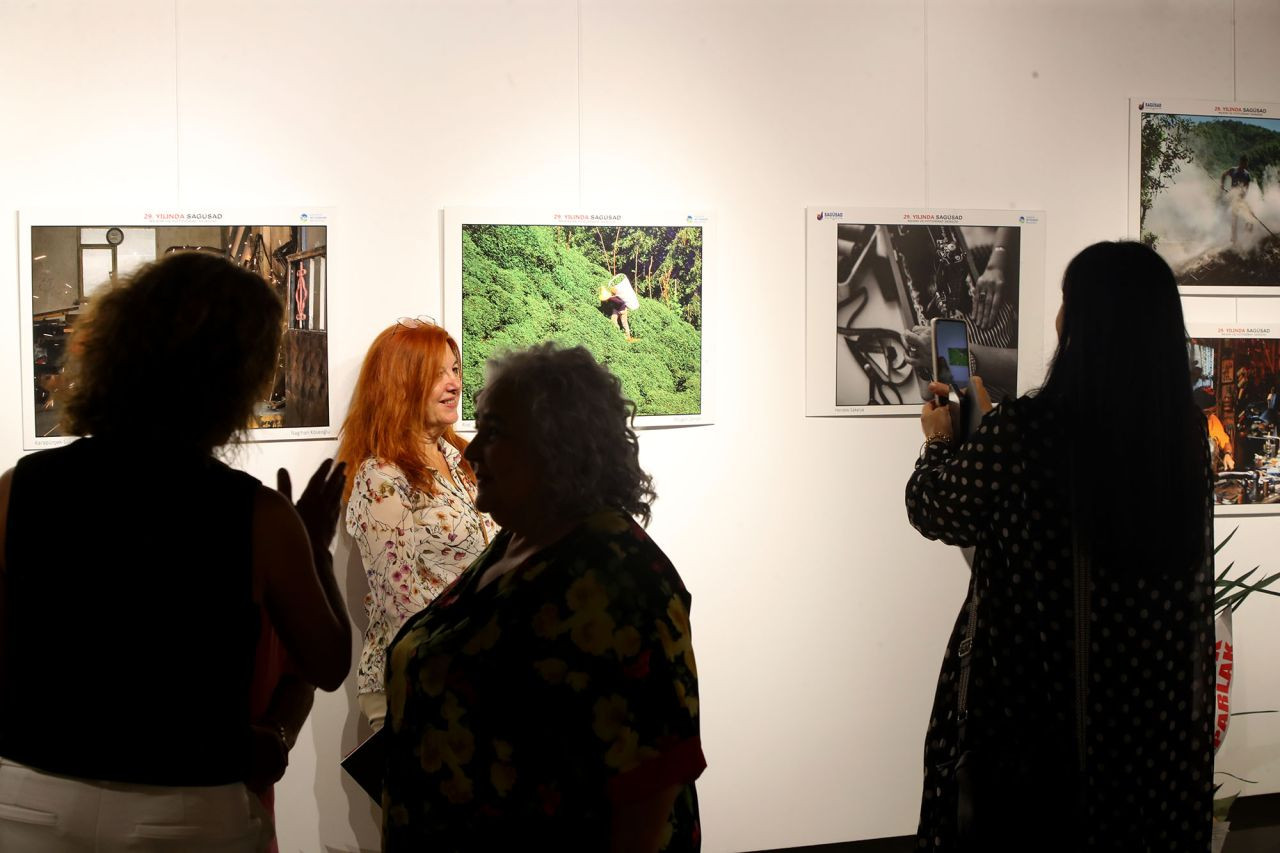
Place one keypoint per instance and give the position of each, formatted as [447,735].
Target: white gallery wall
[819,615]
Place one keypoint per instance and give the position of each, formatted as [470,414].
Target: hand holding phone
[950,352]
[938,415]
[951,368]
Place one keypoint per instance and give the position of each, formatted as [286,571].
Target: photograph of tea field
[632,295]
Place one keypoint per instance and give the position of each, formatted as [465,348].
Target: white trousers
[374,708]
[44,813]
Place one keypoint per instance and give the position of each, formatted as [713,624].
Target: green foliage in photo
[1169,143]
[1165,146]
[524,284]
[1218,146]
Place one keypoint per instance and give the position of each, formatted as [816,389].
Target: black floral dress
[521,714]
[1150,707]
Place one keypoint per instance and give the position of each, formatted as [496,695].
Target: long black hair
[1135,440]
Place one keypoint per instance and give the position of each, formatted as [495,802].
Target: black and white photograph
[69,259]
[890,280]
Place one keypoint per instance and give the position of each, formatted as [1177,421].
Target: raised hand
[320,502]
[991,297]
[980,396]
[938,416]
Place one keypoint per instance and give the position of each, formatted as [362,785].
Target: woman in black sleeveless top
[133,565]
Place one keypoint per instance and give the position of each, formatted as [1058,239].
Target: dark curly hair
[579,426]
[192,329]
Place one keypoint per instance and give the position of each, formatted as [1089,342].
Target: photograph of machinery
[70,264]
[1235,382]
[892,280]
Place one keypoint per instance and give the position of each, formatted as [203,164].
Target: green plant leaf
[1222,807]
[1236,606]
[1230,593]
[1244,577]
[1224,542]
[1238,583]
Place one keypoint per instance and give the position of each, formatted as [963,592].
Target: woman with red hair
[411,499]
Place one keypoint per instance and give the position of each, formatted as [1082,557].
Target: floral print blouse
[520,714]
[412,544]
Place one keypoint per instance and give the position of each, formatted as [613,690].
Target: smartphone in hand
[951,367]
[950,352]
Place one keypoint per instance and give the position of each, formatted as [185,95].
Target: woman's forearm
[290,706]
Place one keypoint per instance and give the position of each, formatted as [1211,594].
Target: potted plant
[1229,594]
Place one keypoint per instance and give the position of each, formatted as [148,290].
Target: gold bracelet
[932,438]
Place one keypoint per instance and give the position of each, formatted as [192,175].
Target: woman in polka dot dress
[1115,419]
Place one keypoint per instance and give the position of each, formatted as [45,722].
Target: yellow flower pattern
[502,776]
[523,708]
[552,669]
[546,624]
[432,674]
[484,640]
[593,633]
[626,640]
[610,715]
[586,595]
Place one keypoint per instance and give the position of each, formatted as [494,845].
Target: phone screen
[951,350]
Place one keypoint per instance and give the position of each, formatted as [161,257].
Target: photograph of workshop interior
[71,264]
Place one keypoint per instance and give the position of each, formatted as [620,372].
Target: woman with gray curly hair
[548,699]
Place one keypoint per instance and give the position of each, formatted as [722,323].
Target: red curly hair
[387,416]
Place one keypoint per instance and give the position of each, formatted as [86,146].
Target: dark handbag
[1016,797]
[1013,797]
[367,763]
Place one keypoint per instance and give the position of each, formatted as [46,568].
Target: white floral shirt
[412,544]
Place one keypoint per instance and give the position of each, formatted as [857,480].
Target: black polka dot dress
[1148,784]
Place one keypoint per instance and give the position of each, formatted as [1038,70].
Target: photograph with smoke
[70,265]
[632,294]
[1207,192]
[1235,383]
[892,280]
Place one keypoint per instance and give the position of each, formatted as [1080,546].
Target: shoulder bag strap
[966,658]
[1081,527]
[1081,560]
